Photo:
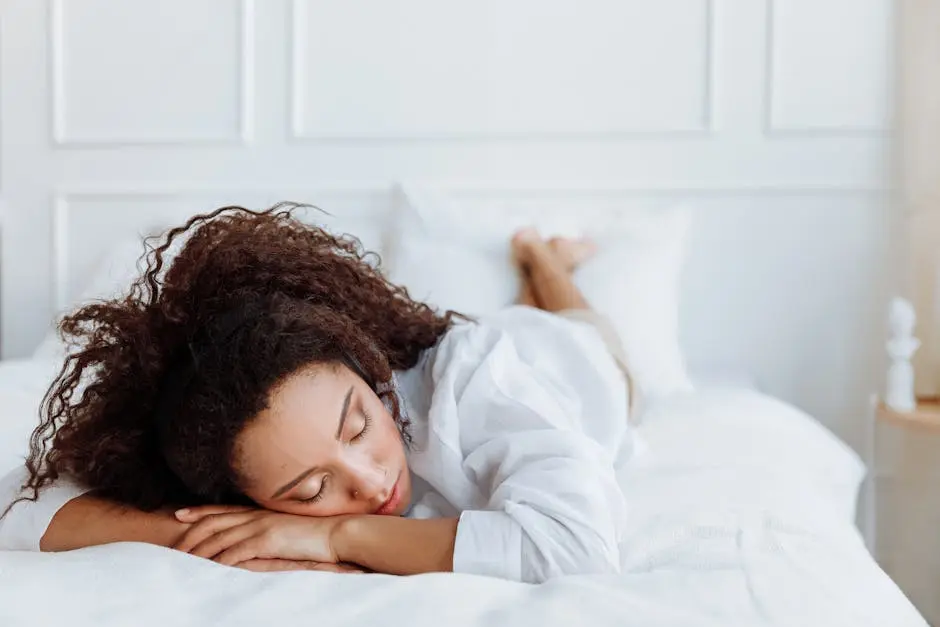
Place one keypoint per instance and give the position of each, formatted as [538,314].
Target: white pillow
[112,278]
[455,254]
[22,386]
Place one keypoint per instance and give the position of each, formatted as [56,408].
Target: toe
[527,235]
[573,251]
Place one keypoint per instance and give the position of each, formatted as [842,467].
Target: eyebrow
[339,432]
[343,413]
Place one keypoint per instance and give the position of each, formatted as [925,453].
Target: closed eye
[366,425]
[319,495]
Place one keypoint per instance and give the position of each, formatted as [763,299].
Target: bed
[742,513]
[742,507]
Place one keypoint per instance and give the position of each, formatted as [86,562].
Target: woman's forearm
[89,521]
[398,546]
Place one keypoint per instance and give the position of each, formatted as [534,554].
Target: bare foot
[572,252]
[546,278]
[525,243]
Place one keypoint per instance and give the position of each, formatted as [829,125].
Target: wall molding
[182,190]
[296,101]
[60,252]
[62,138]
[775,130]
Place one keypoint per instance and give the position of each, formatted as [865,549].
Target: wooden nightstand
[925,416]
[903,526]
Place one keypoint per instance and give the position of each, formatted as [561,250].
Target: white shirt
[518,422]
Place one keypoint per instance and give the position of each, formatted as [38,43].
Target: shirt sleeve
[550,502]
[24,525]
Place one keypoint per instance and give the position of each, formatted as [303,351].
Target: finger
[269,565]
[335,568]
[207,527]
[275,565]
[192,514]
[258,565]
[214,545]
[210,526]
[249,548]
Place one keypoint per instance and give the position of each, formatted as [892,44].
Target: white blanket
[741,514]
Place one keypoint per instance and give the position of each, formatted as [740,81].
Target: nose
[368,482]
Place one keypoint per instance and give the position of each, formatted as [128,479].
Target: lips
[389,506]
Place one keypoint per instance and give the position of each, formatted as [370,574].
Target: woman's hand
[279,565]
[234,535]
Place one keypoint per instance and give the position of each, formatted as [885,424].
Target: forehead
[311,390]
[300,420]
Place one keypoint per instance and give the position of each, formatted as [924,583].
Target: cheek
[314,511]
[390,442]
[286,507]
[385,423]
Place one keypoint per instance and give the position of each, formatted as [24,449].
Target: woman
[270,401]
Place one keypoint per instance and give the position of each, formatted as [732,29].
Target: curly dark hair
[159,382]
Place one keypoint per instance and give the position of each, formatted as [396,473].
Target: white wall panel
[829,65]
[138,71]
[416,68]
[87,227]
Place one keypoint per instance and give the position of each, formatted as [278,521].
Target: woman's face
[326,445]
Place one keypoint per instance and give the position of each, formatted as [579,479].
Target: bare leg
[546,268]
[549,277]
[526,293]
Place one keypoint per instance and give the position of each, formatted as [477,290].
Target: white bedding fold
[798,582]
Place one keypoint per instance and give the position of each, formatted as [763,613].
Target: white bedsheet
[741,514]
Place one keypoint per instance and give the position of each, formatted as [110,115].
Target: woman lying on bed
[272,402]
